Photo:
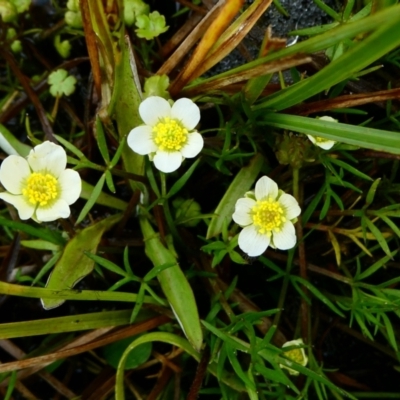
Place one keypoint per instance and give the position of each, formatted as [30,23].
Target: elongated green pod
[174,285]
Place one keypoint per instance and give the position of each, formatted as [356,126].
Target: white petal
[326,144]
[59,209]
[167,161]
[25,209]
[71,186]
[312,138]
[296,342]
[154,108]
[48,157]
[193,146]
[13,170]
[291,206]
[242,211]
[266,187]
[251,242]
[140,140]
[286,238]
[187,112]
[326,118]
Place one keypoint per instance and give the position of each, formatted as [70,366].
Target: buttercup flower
[40,187]
[168,135]
[325,144]
[267,215]
[297,355]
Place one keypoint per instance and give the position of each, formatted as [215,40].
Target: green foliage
[73,16]
[21,5]
[150,26]
[8,11]
[156,86]
[61,83]
[133,9]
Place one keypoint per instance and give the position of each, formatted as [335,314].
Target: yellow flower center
[170,134]
[295,355]
[319,139]
[268,215]
[41,188]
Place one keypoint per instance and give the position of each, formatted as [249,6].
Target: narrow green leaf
[391,224]
[180,183]
[375,139]
[92,199]
[326,206]
[332,13]
[390,332]
[41,233]
[103,199]
[109,181]
[275,376]
[237,368]
[349,168]
[40,245]
[306,215]
[11,385]
[47,267]
[371,192]
[375,267]
[101,140]
[317,294]
[228,339]
[156,270]
[69,146]
[378,236]
[118,153]
[138,304]
[348,9]
[107,264]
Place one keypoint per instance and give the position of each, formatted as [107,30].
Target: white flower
[40,187]
[297,355]
[168,135]
[267,217]
[325,144]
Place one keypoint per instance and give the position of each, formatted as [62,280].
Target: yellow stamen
[295,355]
[319,139]
[41,188]
[268,215]
[170,134]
